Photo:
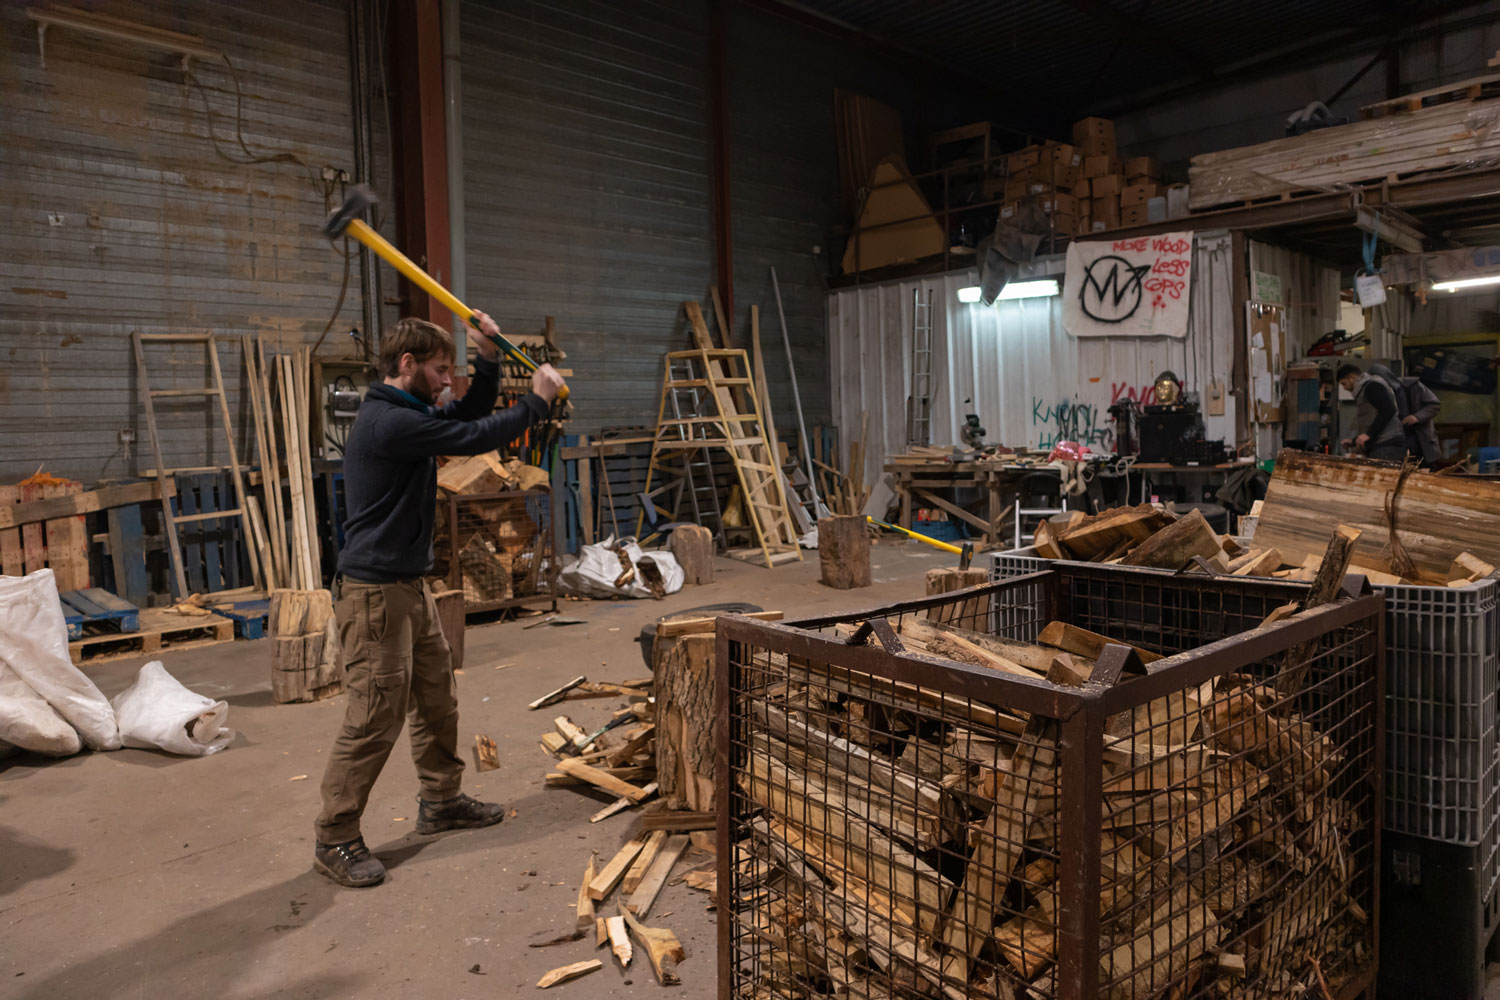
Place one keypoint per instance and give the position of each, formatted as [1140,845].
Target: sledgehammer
[345,221]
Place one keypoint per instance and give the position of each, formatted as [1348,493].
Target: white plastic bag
[594,572]
[28,722]
[34,644]
[158,713]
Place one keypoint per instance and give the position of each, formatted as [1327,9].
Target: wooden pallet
[1462,90]
[249,617]
[99,608]
[159,628]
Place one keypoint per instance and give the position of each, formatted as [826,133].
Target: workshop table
[925,481]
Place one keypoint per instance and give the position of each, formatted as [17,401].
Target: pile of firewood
[657,752]
[1151,536]
[496,543]
[904,843]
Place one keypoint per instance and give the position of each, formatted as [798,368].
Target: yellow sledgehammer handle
[966,551]
[370,238]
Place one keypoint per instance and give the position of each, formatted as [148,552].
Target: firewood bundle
[895,840]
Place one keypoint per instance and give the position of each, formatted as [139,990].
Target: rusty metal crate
[499,548]
[901,825]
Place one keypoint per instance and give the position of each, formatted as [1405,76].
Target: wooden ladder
[171,520]
[732,422]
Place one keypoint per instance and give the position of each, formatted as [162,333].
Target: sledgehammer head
[360,198]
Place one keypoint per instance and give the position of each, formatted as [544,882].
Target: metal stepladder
[1038,513]
[689,473]
[171,520]
[919,402]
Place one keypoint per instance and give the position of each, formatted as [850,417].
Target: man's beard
[422,389]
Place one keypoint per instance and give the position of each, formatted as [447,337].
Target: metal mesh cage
[1069,826]
[1442,658]
[497,548]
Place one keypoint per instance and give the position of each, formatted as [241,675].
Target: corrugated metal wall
[121,217]
[589,188]
[586,158]
[1309,291]
[1029,381]
[785,189]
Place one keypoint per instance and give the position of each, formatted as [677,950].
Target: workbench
[1166,473]
[925,483]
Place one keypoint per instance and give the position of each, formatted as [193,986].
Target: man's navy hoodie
[390,476]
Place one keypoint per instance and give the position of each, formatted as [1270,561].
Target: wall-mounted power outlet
[127,436]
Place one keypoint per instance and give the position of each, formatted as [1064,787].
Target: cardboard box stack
[1085,187]
[1095,139]
[1049,173]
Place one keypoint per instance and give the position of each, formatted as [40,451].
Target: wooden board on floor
[1438,517]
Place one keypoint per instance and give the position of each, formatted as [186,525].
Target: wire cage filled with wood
[498,548]
[1143,787]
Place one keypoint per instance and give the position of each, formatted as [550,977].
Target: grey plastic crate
[1442,678]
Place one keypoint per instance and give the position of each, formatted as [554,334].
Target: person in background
[1417,409]
[1379,433]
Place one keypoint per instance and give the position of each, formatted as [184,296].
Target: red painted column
[421,169]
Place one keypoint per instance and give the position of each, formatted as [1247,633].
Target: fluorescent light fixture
[1445,286]
[1045,288]
[1016,290]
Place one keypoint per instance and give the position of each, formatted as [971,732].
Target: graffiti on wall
[1129,288]
[1071,420]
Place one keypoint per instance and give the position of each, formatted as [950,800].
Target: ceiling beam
[1021,108]
[1140,31]
[1312,51]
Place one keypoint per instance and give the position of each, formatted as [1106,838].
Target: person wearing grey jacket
[1380,434]
[1417,409]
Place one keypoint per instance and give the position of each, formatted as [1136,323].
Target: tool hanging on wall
[346,222]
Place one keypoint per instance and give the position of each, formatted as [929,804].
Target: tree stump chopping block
[844,551]
[305,652]
[693,548]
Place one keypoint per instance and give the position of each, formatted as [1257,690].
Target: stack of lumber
[1442,137]
[908,845]
[283,525]
[845,490]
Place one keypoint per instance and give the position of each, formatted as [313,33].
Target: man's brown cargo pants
[396,663]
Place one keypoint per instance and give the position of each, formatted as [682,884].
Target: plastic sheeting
[594,572]
[34,646]
[158,713]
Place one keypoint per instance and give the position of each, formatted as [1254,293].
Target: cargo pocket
[387,696]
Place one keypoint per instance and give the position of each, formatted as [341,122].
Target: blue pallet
[249,617]
[96,606]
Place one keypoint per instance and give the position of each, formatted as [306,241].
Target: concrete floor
[135,874]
